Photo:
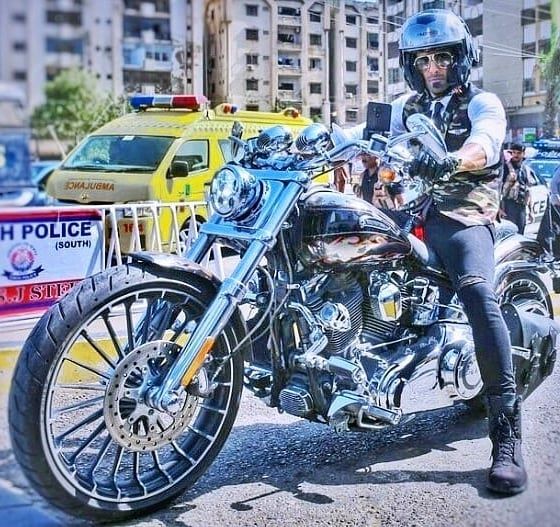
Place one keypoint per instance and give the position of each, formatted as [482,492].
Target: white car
[539,198]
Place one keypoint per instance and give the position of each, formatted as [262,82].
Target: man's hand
[426,167]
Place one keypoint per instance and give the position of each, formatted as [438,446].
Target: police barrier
[45,251]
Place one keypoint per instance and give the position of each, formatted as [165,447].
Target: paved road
[276,470]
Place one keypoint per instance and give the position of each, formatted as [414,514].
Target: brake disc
[131,422]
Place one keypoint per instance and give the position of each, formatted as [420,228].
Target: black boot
[507,474]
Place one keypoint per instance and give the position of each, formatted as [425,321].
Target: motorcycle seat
[424,254]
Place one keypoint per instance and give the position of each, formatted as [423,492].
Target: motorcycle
[127,388]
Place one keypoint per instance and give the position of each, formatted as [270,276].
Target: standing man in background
[516,197]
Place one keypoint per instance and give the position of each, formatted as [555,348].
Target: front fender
[179,268]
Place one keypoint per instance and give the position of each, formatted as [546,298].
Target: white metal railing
[128,228]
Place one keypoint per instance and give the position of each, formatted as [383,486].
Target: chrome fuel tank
[341,230]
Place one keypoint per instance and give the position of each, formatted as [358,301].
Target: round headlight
[233,191]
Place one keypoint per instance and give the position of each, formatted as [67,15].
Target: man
[437,52]
[382,195]
[516,197]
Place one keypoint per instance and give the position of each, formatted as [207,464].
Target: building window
[20,75]
[372,20]
[314,64]
[351,89]
[288,11]
[251,10]
[19,46]
[372,64]
[529,85]
[372,41]
[392,50]
[61,45]
[64,17]
[314,17]
[252,60]
[286,37]
[252,84]
[286,86]
[351,116]
[372,87]
[315,87]
[351,20]
[252,34]
[19,17]
[351,42]
[395,75]
[351,65]
[475,25]
[252,107]
[314,40]
[315,113]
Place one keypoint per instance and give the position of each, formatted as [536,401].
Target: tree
[550,67]
[75,107]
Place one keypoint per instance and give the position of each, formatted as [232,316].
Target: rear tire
[527,292]
[59,392]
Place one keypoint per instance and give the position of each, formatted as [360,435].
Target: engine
[383,352]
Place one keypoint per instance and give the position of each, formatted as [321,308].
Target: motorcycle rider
[437,52]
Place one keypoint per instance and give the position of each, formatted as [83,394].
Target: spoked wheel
[80,421]
[527,292]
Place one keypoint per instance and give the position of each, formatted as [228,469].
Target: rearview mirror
[178,169]
[429,135]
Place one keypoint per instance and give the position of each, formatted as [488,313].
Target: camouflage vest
[472,198]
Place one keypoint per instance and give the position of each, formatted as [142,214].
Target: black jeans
[516,213]
[467,254]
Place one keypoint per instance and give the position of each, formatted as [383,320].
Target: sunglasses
[442,59]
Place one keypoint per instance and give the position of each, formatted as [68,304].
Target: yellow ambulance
[166,150]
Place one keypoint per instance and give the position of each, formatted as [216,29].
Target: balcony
[289,20]
[289,41]
[64,60]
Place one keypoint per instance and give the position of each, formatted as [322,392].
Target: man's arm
[488,129]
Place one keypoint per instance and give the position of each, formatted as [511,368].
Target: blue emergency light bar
[190,102]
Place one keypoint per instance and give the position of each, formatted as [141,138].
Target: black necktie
[437,116]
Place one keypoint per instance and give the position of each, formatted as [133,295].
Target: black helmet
[432,29]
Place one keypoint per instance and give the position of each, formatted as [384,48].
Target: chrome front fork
[230,294]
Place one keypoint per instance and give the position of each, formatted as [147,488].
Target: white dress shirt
[485,111]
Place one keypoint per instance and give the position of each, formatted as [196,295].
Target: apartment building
[510,35]
[129,45]
[267,55]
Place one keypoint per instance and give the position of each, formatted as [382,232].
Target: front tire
[65,434]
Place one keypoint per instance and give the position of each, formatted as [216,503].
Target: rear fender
[179,268]
[517,253]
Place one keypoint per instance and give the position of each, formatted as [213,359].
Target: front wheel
[80,425]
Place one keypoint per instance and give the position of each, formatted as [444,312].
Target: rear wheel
[527,292]
[80,425]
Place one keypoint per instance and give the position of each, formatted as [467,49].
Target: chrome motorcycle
[127,388]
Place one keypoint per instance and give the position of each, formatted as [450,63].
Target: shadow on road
[286,457]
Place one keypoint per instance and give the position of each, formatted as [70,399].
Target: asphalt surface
[276,470]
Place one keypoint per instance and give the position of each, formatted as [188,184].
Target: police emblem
[22,258]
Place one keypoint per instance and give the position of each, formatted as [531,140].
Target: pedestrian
[373,190]
[437,53]
[341,177]
[516,196]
